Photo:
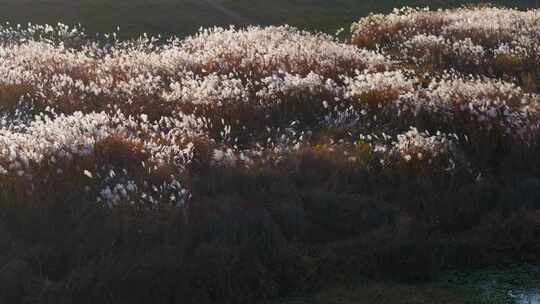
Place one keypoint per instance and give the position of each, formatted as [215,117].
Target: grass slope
[183,17]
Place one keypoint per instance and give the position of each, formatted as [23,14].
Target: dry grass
[240,165]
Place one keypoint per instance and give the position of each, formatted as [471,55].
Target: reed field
[241,164]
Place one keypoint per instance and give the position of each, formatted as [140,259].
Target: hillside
[184,17]
[241,165]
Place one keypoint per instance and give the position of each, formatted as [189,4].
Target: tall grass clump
[486,40]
